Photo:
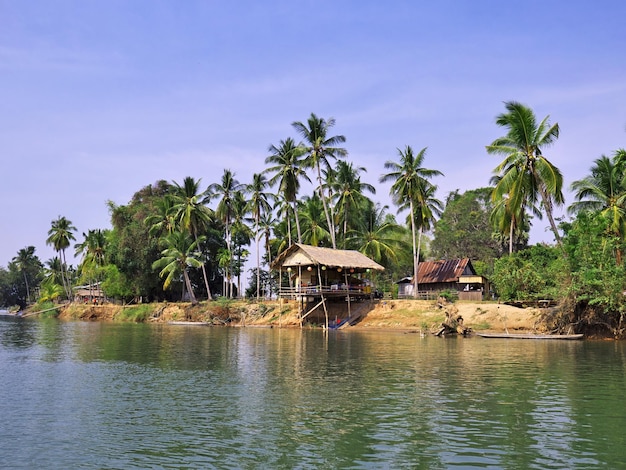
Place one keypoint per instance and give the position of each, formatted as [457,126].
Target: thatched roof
[307,255]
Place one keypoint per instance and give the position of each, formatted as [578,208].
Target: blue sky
[100,98]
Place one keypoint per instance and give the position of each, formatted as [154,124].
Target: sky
[101,98]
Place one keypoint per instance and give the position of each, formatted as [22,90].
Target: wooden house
[453,275]
[317,275]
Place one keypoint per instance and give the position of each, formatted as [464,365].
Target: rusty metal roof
[443,270]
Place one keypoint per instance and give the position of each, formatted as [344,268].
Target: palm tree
[258,205]
[93,250]
[288,170]
[349,190]
[164,220]
[192,214]
[225,211]
[241,234]
[27,262]
[411,188]
[526,175]
[180,254]
[604,191]
[313,233]
[60,235]
[379,239]
[320,149]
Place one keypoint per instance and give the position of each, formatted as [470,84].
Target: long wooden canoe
[189,323]
[529,336]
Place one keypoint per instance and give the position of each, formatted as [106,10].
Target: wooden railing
[292,292]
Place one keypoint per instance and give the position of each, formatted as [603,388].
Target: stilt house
[317,275]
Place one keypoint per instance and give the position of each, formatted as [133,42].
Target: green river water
[123,396]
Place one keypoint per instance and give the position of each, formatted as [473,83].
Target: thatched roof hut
[306,255]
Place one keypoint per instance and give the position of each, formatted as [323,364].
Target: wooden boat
[189,323]
[529,336]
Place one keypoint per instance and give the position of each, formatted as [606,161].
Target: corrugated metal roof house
[454,274]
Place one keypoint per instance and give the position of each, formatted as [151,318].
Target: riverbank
[425,316]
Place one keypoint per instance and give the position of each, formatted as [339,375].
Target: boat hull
[530,336]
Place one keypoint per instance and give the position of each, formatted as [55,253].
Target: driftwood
[453,324]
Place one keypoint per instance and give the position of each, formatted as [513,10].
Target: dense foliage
[182,240]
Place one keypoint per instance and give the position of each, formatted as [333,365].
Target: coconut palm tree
[258,205]
[411,189]
[180,253]
[93,250]
[164,220]
[320,150]
[313,232]
[287,171]
[604,191]
[226,191]
[60,235]
[348,190]
[192,214]
[380,237]
[526,174]
[28,264]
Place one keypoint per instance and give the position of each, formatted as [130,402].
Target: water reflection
[98,395]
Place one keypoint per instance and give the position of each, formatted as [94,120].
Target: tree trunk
[331,228]
[415,258]
[189,288]
[295,213]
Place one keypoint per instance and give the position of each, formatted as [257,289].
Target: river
[120,396]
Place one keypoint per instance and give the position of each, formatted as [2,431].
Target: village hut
[317,274]
[457,275]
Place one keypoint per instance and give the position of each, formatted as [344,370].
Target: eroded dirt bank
[426,316]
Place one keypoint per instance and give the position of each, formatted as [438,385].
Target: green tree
[287,171]
[179,255]
[28,264]
[526,175]
[60,235]
[320,150]
[348,190]
[93,251]
[412,189]
[258,205]
[595,299]
[192,214]
[604,191]
[225,191]
[131,246]
[380,237]
[313,230]
[536,273]
[464,229]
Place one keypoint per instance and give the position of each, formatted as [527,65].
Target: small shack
[455,275]
[316,275]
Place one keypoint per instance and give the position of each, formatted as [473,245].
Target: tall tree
[525,174]
[379,238]
[348,190]
[258,205]
[192,214]
[314,232]
[287,171]
[60,235]
[29,266]
[93,251]
[464,230]
[179,255]
[320,150]
[225,192]
[412,189]
[604,191]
